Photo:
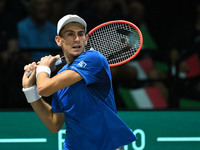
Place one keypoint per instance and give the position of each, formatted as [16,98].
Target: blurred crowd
[165,74]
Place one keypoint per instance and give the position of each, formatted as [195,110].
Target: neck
[71,58]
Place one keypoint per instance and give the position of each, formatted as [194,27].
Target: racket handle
[28,73]
[58,62]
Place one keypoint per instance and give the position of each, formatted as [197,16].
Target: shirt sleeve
[88,65]
[55,104]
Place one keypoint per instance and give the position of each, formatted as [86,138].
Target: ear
[86,39]
[58,40]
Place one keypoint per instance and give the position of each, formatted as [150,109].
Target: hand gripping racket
[119,41]
[58,62]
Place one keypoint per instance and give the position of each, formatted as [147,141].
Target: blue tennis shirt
[89,107]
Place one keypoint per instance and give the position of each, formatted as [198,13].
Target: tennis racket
[119,41]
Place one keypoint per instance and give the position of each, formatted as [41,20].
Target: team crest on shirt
[82,64]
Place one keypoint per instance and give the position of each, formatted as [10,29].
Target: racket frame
[125,22]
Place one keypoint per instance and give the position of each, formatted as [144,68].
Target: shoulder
[92,54]
[92,59]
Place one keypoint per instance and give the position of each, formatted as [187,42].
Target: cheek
[85,42]
[66,42]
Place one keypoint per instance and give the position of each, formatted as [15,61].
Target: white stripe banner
[178,139]
[23,140]
[141,98]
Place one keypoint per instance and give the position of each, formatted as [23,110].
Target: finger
[31,70]
[28,73]
[43,58]
[34,64]
[57,56]
[25,74]
[25,67]
[31,67]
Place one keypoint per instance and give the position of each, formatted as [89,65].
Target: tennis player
[82,93]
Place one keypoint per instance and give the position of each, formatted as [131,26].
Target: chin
[76,54]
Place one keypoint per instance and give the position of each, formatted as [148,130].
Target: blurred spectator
[8,34]
[136,15]
[59,8]
[73,6]
[8,47]
[36,31]
[185,41]
[131,71]
[18,8]
[56,10]
[100,11]
[185,57]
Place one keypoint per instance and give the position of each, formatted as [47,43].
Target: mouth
[76,47]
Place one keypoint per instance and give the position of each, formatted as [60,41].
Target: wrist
[31,94]
[27,86]
[43,69]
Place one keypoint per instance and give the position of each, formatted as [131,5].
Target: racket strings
[116,41]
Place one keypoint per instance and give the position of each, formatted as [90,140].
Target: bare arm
[47,86]
[53,121]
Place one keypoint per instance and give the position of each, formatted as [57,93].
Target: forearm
[44,84]
[44,112]
[53,121]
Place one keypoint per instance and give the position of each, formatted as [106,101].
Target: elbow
[54,130]
[43,91]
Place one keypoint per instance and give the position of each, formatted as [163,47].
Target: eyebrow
[82,31]
[73,31]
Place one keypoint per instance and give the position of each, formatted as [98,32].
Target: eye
[70,34]
[81,34]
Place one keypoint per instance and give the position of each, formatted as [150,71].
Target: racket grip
[28,73]
[58,62]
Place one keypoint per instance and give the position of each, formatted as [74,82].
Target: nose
[77,38]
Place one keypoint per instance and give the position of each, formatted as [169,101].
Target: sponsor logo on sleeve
[82,64]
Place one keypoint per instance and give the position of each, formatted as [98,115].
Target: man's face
[73,39]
